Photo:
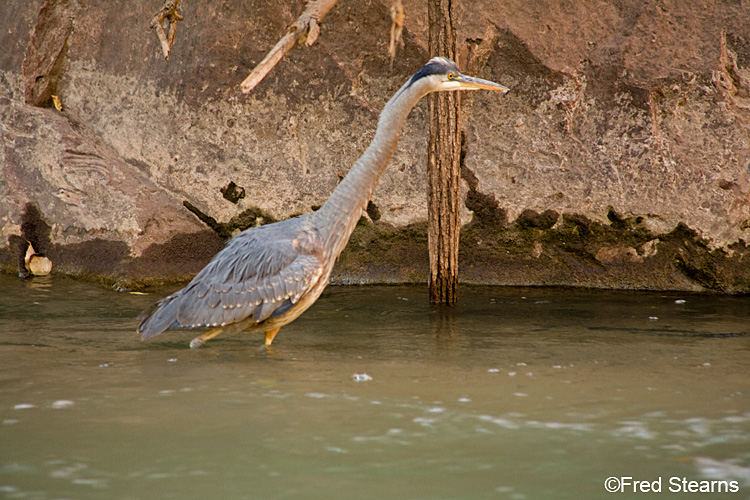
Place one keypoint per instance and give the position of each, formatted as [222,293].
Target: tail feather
[159,317]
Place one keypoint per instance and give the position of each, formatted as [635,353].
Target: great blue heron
[267,276]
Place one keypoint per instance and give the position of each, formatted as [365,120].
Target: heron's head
[441,74]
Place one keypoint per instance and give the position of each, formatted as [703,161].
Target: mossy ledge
[550,249]
[537,249]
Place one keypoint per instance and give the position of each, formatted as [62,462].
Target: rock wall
[621,157]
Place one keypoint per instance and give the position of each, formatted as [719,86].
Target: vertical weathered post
[443,164]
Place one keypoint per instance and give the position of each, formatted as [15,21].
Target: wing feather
[258,272]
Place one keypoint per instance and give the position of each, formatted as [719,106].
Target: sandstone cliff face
[621,158]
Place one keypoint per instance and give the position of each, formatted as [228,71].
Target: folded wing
[261,272]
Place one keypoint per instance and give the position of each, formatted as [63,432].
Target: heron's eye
[450,76]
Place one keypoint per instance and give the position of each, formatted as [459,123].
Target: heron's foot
[202,339]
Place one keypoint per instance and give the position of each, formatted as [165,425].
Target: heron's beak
[472,83]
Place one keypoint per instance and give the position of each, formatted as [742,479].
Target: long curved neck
[338,216]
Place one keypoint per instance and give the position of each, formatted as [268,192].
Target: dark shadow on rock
[180,258]
[35,229]
[97,258]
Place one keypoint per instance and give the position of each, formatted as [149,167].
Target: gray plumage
[267,276]
[260,271]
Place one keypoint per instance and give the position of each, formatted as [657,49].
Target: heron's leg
[202,339]
[271,334]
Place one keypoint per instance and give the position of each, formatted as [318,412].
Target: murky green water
[514,394]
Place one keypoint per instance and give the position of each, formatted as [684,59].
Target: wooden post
[443,164]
